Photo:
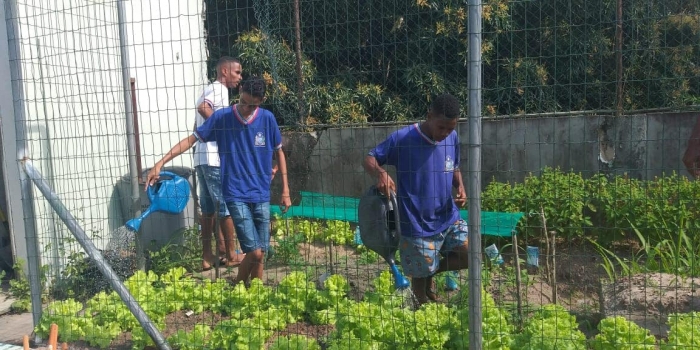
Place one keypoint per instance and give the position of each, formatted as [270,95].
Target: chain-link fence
[588,147]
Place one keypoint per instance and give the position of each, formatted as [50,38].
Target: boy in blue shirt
[426,158]
[247,137]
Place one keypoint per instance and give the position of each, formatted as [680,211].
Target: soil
[582,286]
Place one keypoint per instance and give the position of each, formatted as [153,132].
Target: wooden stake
[554,267]
[517,280]
[25,342]
[547,252]
[53,336]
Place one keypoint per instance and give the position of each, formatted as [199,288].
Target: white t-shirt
[216,95]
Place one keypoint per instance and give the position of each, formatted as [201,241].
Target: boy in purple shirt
[247,137]
[426,158]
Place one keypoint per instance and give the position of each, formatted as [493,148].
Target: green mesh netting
[321,206]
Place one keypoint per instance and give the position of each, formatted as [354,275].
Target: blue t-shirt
[246,148]
[424,171]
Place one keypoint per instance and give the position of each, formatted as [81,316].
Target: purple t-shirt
[246,148]
[424,171]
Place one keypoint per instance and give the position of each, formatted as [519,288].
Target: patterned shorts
[420,256]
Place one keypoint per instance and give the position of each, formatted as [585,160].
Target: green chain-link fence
[589,139]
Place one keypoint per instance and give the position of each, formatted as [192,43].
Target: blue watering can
[168,196]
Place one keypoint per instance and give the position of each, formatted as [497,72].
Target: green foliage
[295,342]
[562,197]
[533,60]
[377,322]
[552,327]
[19,289]
[186,253]
[684,332]
[619,333]
[287,250]
[494,324]
[610,207]
[192,340]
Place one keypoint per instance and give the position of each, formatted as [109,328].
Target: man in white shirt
[207,167]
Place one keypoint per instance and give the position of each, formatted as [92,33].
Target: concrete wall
[642,146]
[65,104]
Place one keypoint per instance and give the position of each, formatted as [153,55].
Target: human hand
[153,175]
[285,202]
[461,198]
[385,184]
[274,171]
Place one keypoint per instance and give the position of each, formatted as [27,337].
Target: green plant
[562,197]
[338,232]
[195,339]
[367,256]
[619,333]
[295,341]
[684,332]
[287,250]
[495,326]
[552,327]
[20,289]
[184,250]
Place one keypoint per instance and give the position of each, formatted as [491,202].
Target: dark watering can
[169,196]
[378,218]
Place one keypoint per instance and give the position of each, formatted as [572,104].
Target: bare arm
[384,182]
[461,198]
[205,110]
[285,202]
[180,148]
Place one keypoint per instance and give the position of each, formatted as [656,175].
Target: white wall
[168,60]
[74,114]
[74,101]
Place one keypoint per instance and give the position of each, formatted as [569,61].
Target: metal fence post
[474,180]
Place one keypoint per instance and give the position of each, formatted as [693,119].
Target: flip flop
[430,291]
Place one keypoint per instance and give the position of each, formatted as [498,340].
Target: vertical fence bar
[130,129]
[32,243]
[49,160]
[94,254]
[474,181]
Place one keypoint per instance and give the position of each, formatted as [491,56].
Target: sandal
[430,291]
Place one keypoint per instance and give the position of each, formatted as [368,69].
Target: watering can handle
[394,203]
[149,190]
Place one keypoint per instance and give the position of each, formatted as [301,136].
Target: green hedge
[608,207]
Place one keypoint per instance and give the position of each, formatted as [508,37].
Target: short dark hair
[446,105]
[225,60]
[255,86]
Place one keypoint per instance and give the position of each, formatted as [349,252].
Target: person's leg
[420,260]
[456,248]
[207,219]
[261,219]
[245,228]
[221,241]
[232,257]
[226,234]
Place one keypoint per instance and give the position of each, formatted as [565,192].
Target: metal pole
[33,259]
[95,255]
[130,134]
[475,316]
[49,161]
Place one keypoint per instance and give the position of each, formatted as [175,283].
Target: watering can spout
[135,223]
[400,281]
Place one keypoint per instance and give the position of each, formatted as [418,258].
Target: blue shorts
[252,222]
[420,256]
[209,178]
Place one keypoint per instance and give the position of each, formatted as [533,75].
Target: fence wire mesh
[589,156]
